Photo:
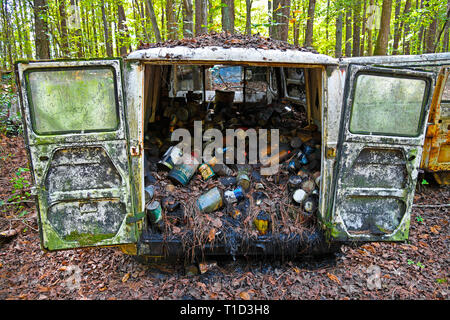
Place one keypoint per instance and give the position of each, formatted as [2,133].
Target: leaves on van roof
[228,40]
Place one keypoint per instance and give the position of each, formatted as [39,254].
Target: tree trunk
[28,50]
[94,31]
[406,47]
[356,28]
[445,41]
[397,30]
[172,26]
[64,34]
[188,19]
[444,26]
[201,17]
[338,45]
[152,16]
[123,30]
[370,30]
[420,36]
[348,32]
[431,36]
[108,45]
[7,35]
[310,23]
[41,39]
[248,17]
[363,31]
[383,35]
[228,15]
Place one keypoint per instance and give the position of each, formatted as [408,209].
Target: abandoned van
[181,150]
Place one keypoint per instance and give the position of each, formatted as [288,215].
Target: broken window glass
[387,105]
[73,100]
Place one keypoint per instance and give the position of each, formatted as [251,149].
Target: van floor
[266,211]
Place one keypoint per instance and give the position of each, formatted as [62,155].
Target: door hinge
[135,151]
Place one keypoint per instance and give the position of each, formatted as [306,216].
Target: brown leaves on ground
[415,269]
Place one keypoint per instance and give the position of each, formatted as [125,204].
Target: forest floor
[414,269]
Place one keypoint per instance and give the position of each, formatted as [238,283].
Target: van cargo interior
[232,208]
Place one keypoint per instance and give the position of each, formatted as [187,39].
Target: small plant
[441,280]
[20,183]
[419,219]
[418,264]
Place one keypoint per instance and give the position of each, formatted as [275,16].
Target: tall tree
[108,43]
[363,31]
[152,16]
[406,47]
[397,30]
[64,41]
[201,17]
[123,30]
[248,17]
[41,39]
[228,15]
[338,43]
[348,32]
[310,23]
[356,28]
[172,25]
[431,33]
[188,19]
[370,28]
[445,41]
[383,35]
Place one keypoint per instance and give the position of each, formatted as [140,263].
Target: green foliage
[88,39]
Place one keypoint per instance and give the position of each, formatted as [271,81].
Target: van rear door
[382,132]
[75,129]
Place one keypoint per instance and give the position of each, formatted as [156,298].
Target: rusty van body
[85,123]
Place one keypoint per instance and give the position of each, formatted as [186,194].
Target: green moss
[85,239]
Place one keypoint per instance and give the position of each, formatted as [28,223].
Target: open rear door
[378,156]
[73,113]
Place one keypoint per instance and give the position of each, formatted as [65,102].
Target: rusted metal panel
[81,179]
[436,155]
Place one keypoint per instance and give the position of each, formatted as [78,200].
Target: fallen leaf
[62,269]
[176,230]
[434,230]
[102,289]
[333,278]
[297,270]
[217,223]
[212,234]
[244,295]
[125,277]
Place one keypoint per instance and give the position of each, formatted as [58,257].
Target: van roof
[233,55]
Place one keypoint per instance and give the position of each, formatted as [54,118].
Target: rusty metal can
[206,171]
[262,222]
[154,210]
[183,172]
[243,179]
[210,201]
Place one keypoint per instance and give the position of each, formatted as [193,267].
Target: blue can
[302,158]
[307,149]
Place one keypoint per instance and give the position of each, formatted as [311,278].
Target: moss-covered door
[382,132]
[73,113]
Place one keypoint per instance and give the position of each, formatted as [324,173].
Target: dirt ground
[415,269]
